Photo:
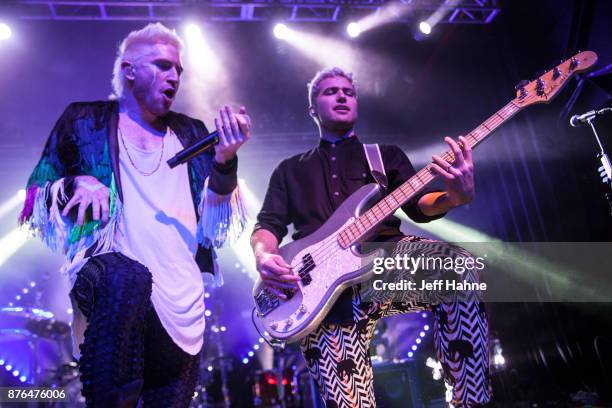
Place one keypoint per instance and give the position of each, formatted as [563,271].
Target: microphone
[195,149]
[578,120]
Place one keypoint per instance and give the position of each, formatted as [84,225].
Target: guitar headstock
[548,85]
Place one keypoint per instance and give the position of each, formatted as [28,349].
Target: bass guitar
[328,261]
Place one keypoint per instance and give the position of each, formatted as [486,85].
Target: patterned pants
[127,355]
[339,361]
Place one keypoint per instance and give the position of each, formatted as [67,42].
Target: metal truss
[456,12]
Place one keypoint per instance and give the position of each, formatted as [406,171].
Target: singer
[136,234]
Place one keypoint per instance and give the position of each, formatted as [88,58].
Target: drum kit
[223,383]
[41,344]
[226,382]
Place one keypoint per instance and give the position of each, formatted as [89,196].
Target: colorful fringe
[222,217]
[61,234]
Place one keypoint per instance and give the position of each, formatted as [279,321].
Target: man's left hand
[459,176]
[234,130]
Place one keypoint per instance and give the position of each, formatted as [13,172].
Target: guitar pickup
[266,302]
[304,271]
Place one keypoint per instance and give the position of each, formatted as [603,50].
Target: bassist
[305,190]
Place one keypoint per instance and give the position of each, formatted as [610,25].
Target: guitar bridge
[304,271]
[266,302]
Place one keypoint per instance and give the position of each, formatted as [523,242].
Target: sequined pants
[127,355]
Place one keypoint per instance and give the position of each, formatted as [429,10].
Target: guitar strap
[377,168]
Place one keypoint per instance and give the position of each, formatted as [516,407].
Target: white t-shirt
[158,229]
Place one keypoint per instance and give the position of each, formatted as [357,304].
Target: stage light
[436,368]
[498,358]
[426,327]
[256,347]
[245,361]
[23,378]
[192,31]
[250,354]
[207,313]
[424,27]
[422,334]
[353,29]
[281,31]
[410,354]
[5,31]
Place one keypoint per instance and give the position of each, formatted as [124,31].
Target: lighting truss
[466,12]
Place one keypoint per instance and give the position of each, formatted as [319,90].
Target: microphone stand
[605,161]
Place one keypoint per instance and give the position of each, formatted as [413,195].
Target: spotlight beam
[12,203]
[11,243]
[511,258]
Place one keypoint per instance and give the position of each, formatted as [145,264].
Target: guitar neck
[363,226]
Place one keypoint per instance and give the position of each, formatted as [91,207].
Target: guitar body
[327,269]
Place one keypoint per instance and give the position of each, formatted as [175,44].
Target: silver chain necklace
[144,173]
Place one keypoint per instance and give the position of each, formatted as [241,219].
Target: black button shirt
[306,189]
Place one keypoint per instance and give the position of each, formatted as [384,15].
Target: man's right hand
[276,273]
[89,191]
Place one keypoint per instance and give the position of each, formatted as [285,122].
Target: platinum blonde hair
[313,85]
[152,33]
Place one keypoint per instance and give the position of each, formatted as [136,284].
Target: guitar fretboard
[362,226]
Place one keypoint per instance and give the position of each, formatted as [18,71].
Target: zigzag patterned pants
[127,355]
[339,361]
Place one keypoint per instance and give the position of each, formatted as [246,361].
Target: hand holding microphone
[233,130]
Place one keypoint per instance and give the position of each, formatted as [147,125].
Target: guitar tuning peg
[574,63]
[521,84]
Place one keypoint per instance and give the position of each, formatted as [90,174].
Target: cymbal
[48,328]
[39,322]
[26,312]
